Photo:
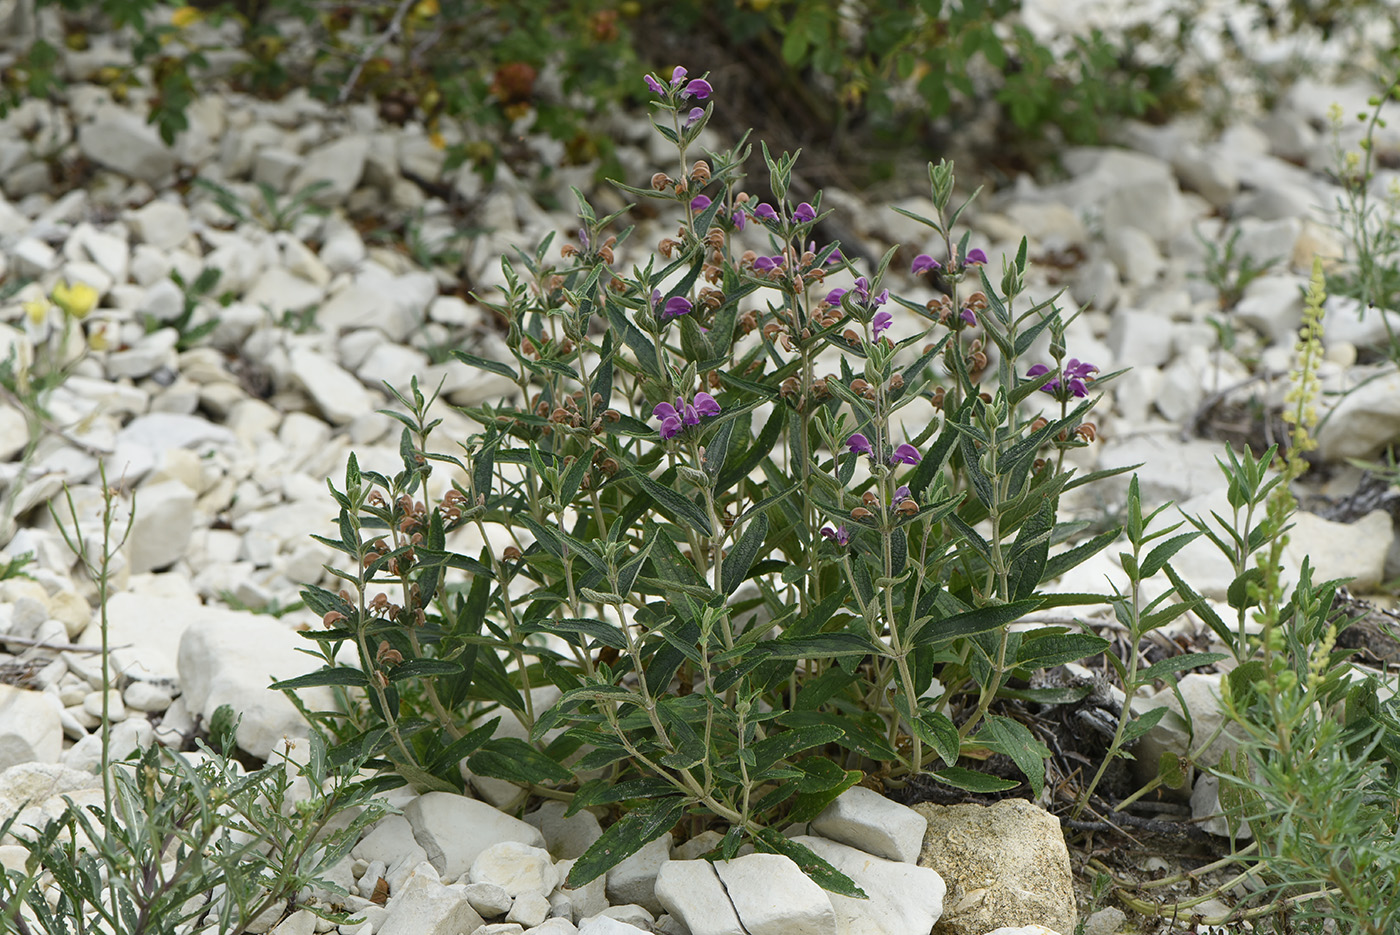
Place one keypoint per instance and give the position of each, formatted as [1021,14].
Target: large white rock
[123,141]
[691,891]
[634,879]
[516,868]
[1364,421]
[865,819]
[389,839]
[163,225]
[606,925]
[454,830]
[424,906]
[161,527]
[565,837]
[1273,306]
[340,397]
[33,783]
[341,163]
[902,897]
[231,658]
[30,729]
[772,896]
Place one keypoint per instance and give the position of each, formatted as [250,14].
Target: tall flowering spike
[859,445]
[880,323]
[906,454]
[676,306]
[804,213]
[765,212]
[923,263]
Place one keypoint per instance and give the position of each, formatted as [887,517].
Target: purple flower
[968,316]
[765,263]
[740,218]
[676,306]
[678,75]
[923,263]
[674,419]
[901,494]
[699,203]
[699,88]
[654,85]
[765,212]
[1076,372]
[859,444]
[804,213]
[975,257]
[834,258]
[906,454]
[840,535]
[834,296]
[881,322]
[695,114]
[862,289]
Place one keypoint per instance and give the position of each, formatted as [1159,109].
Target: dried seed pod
[712,379]
[610,466]
[861,512]
[1087,431]
[789,387]
[1039,423]
[611,415]
[511,554]
[331,619]
[908,507]
[897,381]
[850,336]
[859,386]
[568,250]
[869,498]
[700,172]
[667,247]
[606,255]
[772,330]
[937,396]
[660,181]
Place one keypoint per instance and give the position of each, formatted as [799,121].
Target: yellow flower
[184,17]
[437,139]
[75,300]
[37,310]
[97,340]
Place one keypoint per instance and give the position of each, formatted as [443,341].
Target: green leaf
[1238,592]
[821,645]
[1011,737]
[481,363]
[1057,649]
[822,873]
[606,633]
[1172,664]
[1163,553]
[973,621]
[680,506]
[625,837]
[514,760]
[972,781]
[741,557]
[1142,724]
[1057,565]
[417,668]
[788,743]
[809,805]
[340,675]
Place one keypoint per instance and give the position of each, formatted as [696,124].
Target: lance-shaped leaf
[624,837]
[678,505]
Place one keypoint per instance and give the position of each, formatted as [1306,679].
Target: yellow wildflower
[37,310]
[75,300]
[437,139]
[184,17]
[97,340]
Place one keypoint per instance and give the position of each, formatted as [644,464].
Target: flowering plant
[743,516]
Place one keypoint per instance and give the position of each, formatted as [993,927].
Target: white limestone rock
[340,163]
[454,830]
[516,868]
[424,906]
[565,838]
[902,896]
[340,397]
[124,142]
[772,896]
[30,729]
[691,891]
[634,879]
[865,819]
[1364,421]
[162,526]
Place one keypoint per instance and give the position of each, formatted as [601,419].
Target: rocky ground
[226,442]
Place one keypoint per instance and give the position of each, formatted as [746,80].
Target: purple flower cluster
[675,419]
[923,263]
[840,535]
[698,88]
[863,298]
[902,454]
[1076,372]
